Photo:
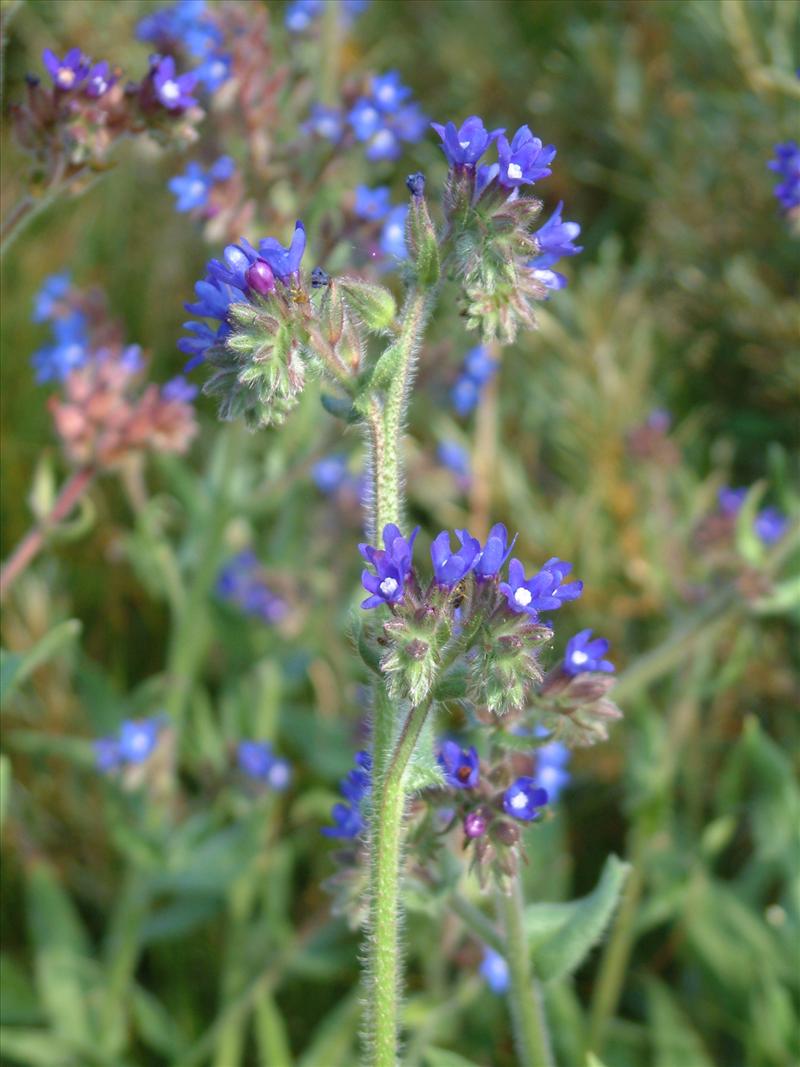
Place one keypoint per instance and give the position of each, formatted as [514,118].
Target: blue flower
[787,164]
[285,262]
[731,500]
[50,297]
[372,204]
[69,72]
[106,754]
[393,234]
[173,90]
[279,775]
[463,147]
[329,473]
[138,738]
[254,758]
[543,592]
[365,119]
[464,396]
[385,144]
[524,161]
[551,772]
[241,582]
[584,654]
[479,365]
[99,80]
[392,566]
[493,554]
[355,787]
[555,241]
[193,187]
[523,798]
[69,350]
[178,390]
[450,567]
[388,92]
[324,121]
[214,71]
[770,525]
[461,766]
[454,457]
[410,123]
[301,14]
[494,971]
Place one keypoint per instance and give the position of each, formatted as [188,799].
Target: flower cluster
[103,414]
[477,370]
[504,264]
[134,742]
[87,109]
[301,15]
[385,117]
[192,189]
[241,582]
[770,524]
[349,819]
[787,164]
[258,762]
[187,28]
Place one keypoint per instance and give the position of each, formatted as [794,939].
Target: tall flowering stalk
[474,628]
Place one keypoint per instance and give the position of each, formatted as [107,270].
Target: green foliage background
[196,930]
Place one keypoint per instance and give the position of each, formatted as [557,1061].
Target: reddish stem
[31,544]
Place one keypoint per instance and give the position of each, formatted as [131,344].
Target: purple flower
[475,824]
[99,80]
[493,554]
[279,775]
[770,525]
[494,971]
[463,147]
[393,234]
[731,500]
[173,91]
[69,350]
[524,161]
[543,592]
[51,295]
[392,565]
[523,798]
[365,119]
[384,144]
[138,739]
[325,122]
[284,262]
[584,654]
[464,396]
[254,758]
[372,204]
[179,390]
[461,766]
[555,241]
[388,92]
[410,123]
[329,473]
[454,457]
[450,567]
[69,72]
[787,164]
[241,582]
[106,754]
[348,818]
[214,71]
[660,420]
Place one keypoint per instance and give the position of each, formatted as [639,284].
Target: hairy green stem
[525,1000]
[386,845]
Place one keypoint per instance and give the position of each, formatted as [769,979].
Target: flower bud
[371,304]
[260,278]
[422,242]
[475,824]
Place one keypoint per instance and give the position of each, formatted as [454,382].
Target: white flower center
[523,597]
[170,90]
[383,138]
[197,189]
[139,742]
[514,171]
[519,801]
[388,586]
[66,77]
[395,232]
[327,127]
[369,114]
[464,144]
[385,94]
[579,657]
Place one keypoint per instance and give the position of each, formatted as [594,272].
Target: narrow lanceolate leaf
[16,667]
[676,1041]
[561,936]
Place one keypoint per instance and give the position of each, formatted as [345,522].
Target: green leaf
[16,667]
[35,1048]
[561,936]
[5,788]
[155,1025]
[442,1057]
[332,1042]
[424,771]
[676,1042]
